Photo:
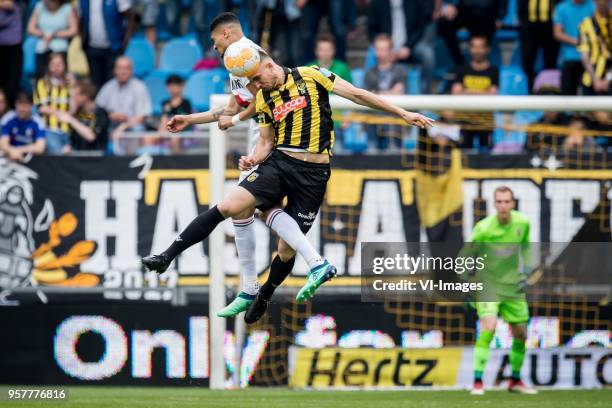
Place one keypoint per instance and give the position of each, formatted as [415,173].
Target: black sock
[279,270]
[198,230]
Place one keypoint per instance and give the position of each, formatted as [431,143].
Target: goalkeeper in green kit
[503,240]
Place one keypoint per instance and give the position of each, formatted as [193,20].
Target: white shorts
[253,137]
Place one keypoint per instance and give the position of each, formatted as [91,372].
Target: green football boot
[316,277]
[240,304]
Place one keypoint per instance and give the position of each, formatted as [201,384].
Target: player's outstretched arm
[366,98]
[226,121]
[180,122]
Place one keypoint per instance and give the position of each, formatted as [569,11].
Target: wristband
[236,119]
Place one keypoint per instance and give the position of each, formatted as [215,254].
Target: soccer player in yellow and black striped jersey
[293,150]
[294,147]
[595,47]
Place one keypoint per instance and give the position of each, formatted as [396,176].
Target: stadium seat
[180,55]
[142,54]
[413,86]
[29,56]
[202,84]
[355,139]
[370,58]
[156,85]
[358,76]
[513,81]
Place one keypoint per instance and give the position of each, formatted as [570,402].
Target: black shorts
[279,176]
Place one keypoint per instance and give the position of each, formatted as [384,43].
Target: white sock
[245,244]
[290,232]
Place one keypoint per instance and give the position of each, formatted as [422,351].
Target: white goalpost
[217,154]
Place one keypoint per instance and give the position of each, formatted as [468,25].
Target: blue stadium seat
[202,84]
[29,56]
[413,86]
[358,76]
[180,55]
[156,84]
[355,139]
[513,81]
[142,54]
[370,58]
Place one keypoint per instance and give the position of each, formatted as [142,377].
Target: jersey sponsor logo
[252,177]
[295,104]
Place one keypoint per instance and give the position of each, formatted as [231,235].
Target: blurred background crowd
[77,75]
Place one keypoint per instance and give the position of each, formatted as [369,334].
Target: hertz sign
[335,367]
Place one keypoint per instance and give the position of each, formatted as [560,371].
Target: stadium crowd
[77,75]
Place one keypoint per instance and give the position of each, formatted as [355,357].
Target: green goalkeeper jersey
[505,249]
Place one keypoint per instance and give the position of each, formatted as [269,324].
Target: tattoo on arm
[217,113]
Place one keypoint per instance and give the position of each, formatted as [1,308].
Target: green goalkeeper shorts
[512,311]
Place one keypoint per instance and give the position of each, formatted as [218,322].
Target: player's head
[504,201]
[479,47]
[225,29]
[23,105]
[123,69]
[383,47]
[269,75]
[325,50]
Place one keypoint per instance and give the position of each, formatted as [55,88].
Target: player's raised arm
[180,122]
[366,98]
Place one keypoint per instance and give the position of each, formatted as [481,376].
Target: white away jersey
[238,86]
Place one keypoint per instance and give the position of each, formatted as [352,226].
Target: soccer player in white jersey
[225,30]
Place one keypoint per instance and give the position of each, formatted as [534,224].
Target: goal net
[395,183]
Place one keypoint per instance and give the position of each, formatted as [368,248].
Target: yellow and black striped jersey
[299,110]
[536,11]
[56,97]
[596,39]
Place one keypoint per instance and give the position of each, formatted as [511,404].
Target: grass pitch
[128,397]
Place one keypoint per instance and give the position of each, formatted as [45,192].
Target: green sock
[482,352]
[517,355]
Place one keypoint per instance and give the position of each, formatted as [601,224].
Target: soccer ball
[241,60]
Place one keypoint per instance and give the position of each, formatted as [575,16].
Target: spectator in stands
[149,10]
[126,100]
[52,95]
[536,33]
[595,47]
[386,78]
[277,29]
[477,78]
[197,11]
[325,51]
[11,52]
[88,123]
[312,13]
[480,17]
[411,25]
[54,22]
[23,133]
[567,18]
[106,28]
[177,104]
